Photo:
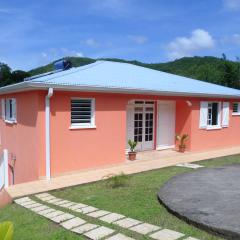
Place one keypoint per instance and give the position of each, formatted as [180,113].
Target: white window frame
[218,126]
[238,112]
[10,119]
[85,125]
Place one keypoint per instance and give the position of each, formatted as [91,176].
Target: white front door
[166,125]
[140,124]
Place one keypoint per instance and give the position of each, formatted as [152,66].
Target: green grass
[137,199]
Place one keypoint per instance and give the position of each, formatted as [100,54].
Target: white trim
[47,132]
[5,159]
[238,112]
[235,114]
[10,121]
[73,127]
[85,125]
[159,148]
[209,127]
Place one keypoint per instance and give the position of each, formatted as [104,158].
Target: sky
[34,33]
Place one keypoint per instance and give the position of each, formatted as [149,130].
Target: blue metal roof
[123,77]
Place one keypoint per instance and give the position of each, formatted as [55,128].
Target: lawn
[138,199]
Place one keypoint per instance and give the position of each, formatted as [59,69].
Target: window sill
[213,127]
[236,114]
[82,127]
[10,121]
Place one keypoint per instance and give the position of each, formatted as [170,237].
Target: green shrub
[117,180]
[6,231]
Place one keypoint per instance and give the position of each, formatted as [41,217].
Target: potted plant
[182,142]
[132,153]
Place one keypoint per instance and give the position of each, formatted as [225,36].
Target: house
[82,118]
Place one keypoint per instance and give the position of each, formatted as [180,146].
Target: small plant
[132,145]
[132,153]
[116,180]
[182,141]
[6,231]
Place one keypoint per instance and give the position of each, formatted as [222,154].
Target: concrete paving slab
[84,228]
[34,205]
[112,217]
[53,214]
[40,195]
[166,234]
[99,233]
[189,165]
[47,198]
[44,212]
[62,217]
[145,228]
[27,203]
[127,222]
[22,200]
[98,213]
[77,206]
[61,202]
[67,205]
[88,209]
[119,236]
[73,223]
[54,201]
[40,208]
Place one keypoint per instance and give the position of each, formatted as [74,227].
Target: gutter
[47,132]
[27,86]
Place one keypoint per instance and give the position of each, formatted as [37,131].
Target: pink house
[82,118]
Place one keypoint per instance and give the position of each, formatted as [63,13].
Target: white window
[236,108]
[10,110]
[82,113]
[210,115]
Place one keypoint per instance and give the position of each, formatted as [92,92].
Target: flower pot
[182,148]
[132,156]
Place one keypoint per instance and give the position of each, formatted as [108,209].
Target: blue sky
[34,33]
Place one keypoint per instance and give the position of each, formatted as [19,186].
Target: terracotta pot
[132,156]
[182,148]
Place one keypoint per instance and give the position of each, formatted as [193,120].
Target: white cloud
[186,46]
[138,39]
[232,5]
[91,42]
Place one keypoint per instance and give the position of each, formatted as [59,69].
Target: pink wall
[23,139]
[73,150]
[202,139]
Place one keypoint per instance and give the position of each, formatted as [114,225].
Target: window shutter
[3,109]
[225,114]
[203,114]
[14,109]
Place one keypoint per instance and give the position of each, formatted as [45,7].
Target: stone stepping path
[189,165]
[66,220]
[146,229]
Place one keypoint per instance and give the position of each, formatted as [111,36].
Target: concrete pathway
[146,229]
[189,165]
[149,161]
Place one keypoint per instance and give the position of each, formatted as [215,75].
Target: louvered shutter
[203,114]
[14,109]
[3,109]
[225,114]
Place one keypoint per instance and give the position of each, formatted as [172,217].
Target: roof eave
[126,90]
[27,86]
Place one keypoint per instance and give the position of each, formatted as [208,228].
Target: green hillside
[210,69]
